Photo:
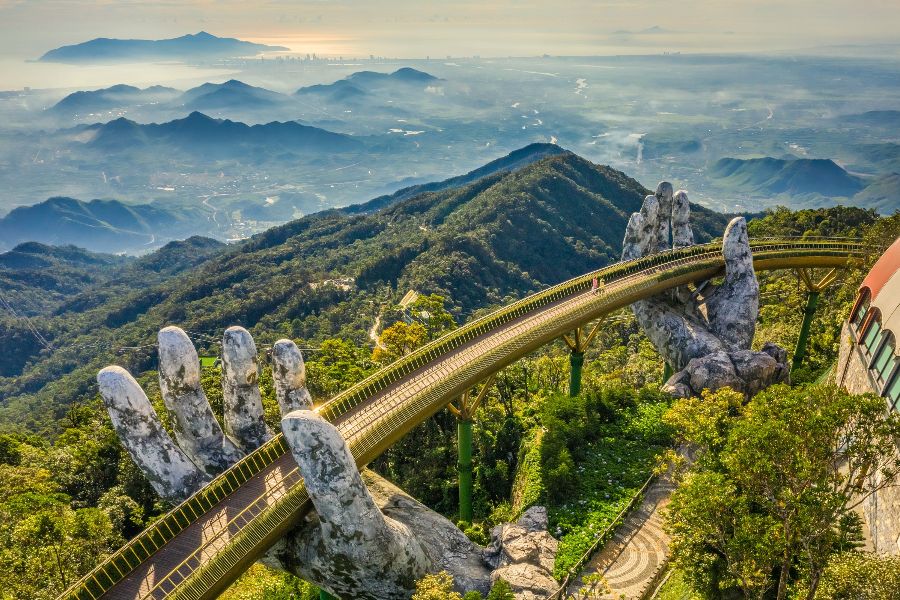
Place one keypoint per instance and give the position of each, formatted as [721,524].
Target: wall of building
[882,509]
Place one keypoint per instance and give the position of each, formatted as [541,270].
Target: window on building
[861,311]
[893,392]
[873,336]
[885,360]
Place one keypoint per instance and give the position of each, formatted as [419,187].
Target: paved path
[631,562]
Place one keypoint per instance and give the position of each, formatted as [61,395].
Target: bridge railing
[118,565]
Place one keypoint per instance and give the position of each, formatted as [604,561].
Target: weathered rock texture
[523,553]
[704,334]
[366,539]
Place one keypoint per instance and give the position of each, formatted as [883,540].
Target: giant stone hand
[367,538]
[705,333]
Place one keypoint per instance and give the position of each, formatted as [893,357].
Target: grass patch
[613,469]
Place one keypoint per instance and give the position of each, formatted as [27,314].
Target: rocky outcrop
[704,333]
[523,553]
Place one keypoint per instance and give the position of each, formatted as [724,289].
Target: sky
[413,29]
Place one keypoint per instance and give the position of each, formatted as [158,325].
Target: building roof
[883,283]
[882,271]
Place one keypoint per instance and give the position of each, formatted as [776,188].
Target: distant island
[200,45]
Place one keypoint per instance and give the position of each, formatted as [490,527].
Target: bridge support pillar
[465,415]
[323,595]
[576,361]
[667,371]
[812,300]
[809,311]
[464,466]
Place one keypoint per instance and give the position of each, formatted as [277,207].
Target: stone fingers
[289,373]
[244,422]
[171,473]
[733,307]
[641,231]
[682,235]
[196,429]
[352,526]
[664,193]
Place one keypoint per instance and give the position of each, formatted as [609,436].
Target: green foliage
[607,458]
[501,590]
[63,506]
[337,365]
[328,275]
[772,491]
[262,583]
[437,586]
[473,596]
[783,295]
[676,588]
[857,576]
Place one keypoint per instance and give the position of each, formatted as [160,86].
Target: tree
[398,340]
[501,590]
[430,311]
[775,482]
[438,586]
[860,575]
[338,364]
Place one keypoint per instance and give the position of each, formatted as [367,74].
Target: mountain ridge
[479,244]
[787,176]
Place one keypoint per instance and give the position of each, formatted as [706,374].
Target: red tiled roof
[884,269]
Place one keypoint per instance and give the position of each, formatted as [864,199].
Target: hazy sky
[484,27]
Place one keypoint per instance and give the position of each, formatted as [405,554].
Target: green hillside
[331,274]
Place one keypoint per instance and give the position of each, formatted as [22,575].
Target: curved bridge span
[200,547]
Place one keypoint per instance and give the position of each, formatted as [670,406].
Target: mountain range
[117,96]
[234,95]
[199,133]
[480,243]
[201,45]
[116,227]
[101,225]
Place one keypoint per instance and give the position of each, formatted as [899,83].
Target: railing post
[576,360]
[464,466]
[812,300]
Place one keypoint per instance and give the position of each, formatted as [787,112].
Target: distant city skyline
[357,28]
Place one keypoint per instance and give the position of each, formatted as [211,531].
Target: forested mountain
[331,274]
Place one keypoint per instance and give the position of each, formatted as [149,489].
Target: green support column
[464,441]
[323,595]
[576,360]
[812,300]
[667,371]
